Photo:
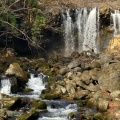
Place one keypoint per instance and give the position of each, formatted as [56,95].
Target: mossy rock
[38,104]
[50,96]
[28,90]
[29,115]
[81,103]
[71,115]
[98,116]
[50,79]
[92,103]
[10,102]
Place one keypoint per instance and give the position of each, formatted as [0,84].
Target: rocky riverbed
[91,80]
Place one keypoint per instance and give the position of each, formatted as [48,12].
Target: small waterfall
[83,31]
[37,84]
[5,86]
[116,21]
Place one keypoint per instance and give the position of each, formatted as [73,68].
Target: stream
[57,109]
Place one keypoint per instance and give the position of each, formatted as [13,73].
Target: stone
[95,64]
[74,64]
[3,114]
[64,70]
[102,105]
[115,94]
[92,103]
[15,70]
[29,115]
[85,77]
[37,104]
[70,88]
[105,58]
[109,77]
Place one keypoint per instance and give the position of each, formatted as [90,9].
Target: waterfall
[5,86]
[37,83]
[116,21]
[90,33]
[85,27]
[69,33]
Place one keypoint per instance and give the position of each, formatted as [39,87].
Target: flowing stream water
[61,107]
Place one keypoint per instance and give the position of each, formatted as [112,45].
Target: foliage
[21,18]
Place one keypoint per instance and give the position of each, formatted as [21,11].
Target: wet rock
[50,96]
[74,64]
[71,115]
[10,102]
[58,78]
[37,104]
[15,70]
[29,115]
[102,105]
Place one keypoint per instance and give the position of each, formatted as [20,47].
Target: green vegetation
[22,19]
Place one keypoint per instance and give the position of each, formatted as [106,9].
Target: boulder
[9,102]
[29,115]
[95,64]
[37,104]
[3,114]
[109,77]
[70,88]
[85,77]
[105,58]
[50,96]
[64,70]
[74,64]
[102,105]
[15,70]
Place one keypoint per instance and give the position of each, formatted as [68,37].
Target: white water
[85,27]
[69,33]
[62,108]
[116,21]
[5,86]
[90,33]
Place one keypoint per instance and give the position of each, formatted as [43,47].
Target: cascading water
[90,33]
[86,24]
[69,33]
[37,83]
[116,21]
[5,86]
